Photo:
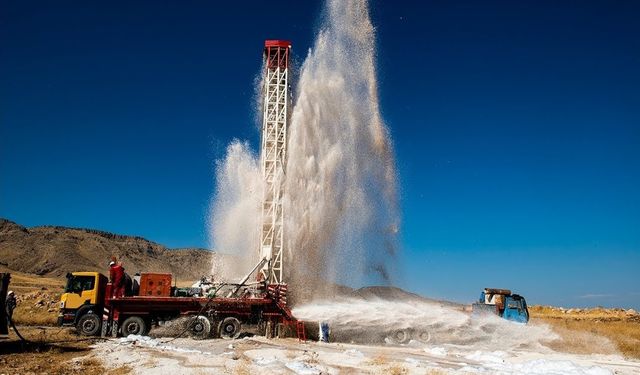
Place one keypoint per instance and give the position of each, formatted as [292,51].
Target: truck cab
[82,301]
[515,309]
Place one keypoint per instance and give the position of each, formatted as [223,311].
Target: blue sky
[516,127]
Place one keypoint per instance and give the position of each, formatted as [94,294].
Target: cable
[25,341]
[15,329]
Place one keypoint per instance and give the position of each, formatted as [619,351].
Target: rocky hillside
[54,251]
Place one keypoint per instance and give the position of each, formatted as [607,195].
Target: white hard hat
[112,263]
[10,292]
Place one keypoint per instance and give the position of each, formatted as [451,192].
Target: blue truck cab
[515,309]
[503,303]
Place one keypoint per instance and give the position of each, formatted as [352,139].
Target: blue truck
[503,303]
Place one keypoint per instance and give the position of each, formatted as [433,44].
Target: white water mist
[341,215]
[340,200]
[374,320]
[234,220]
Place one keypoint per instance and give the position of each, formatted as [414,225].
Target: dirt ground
[51,350]
[577,327]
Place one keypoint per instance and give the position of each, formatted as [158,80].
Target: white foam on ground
[302,368]
[437,351]
[146,341]
[412,361]
[493,357]
[354,353]
[259,355]
[265,361]
[535,367]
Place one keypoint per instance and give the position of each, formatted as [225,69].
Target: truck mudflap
[109,323]
[109,329]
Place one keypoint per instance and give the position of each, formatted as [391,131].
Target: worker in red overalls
[116,276]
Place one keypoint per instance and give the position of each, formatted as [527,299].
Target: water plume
[234,219]
[340,200]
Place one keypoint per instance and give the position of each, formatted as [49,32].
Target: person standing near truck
[116,276]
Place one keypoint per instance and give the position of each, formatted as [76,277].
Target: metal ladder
[302,334]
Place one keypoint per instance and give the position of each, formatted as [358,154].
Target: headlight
[62,304]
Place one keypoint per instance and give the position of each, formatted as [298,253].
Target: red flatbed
[137,314]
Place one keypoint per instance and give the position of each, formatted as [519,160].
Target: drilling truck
[222,310]
[225,309]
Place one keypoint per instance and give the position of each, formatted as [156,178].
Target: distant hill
[54,251]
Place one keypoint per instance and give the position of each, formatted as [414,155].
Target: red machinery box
[155,285]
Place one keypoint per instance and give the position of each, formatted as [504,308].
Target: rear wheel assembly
[424,336]
[134,325]
[200,327]
[89,324]
[229,328]
[401,336]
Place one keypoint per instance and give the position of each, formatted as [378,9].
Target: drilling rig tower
[275,119]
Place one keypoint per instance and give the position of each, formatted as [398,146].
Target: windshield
[514,305]
[76,284]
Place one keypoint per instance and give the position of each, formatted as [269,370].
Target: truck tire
[134,325]
[200,327]
[89,324]
[423,336]
[229,328]
[400,336]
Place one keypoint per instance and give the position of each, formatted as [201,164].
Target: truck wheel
[423,336]
[229,328]
[200,327]
[134,325]
[400,336]
[89,324]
